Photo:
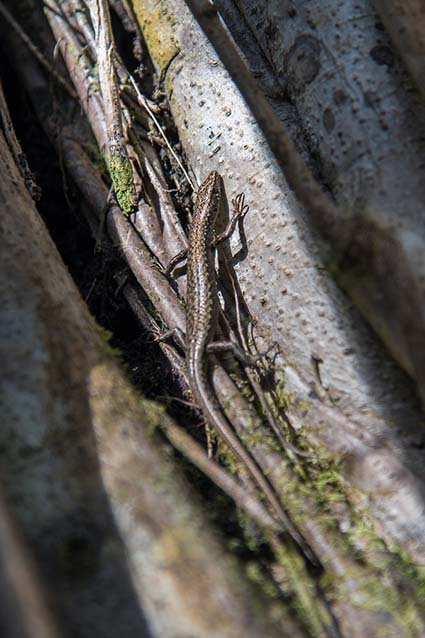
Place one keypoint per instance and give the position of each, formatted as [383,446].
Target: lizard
[202,313]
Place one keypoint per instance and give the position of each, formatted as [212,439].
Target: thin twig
[17,152]
[143,102]
[196,455]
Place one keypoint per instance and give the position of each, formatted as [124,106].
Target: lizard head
[209,197]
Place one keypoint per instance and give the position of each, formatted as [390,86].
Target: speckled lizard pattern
[202,313]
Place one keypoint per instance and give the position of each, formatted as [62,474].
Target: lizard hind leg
[173,263]
[245,357]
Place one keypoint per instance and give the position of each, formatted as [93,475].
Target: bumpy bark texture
[342,388]
[365,124]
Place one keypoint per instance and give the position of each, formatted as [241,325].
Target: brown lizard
[202,312]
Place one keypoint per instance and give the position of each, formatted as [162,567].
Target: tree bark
[294,301]
[364,123]
[360,509]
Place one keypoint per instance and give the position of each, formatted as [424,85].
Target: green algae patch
[121,172]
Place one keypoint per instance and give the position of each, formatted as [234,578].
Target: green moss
[309,607]
[255,437]
[326,482]
[281,394]
[154,414]
[392,583]
[121,172]
[243,385]
[106,336]
[378,593]
[257,576]
[375,597]
[228,458]
[321,482]
[374,581]
[304,405]
[413,573]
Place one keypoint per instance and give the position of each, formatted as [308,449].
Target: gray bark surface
[363,407]
[364,123]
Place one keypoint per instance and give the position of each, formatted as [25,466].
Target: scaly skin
[202,318]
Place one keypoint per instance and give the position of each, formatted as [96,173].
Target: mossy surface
[121,172]
[378,580]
